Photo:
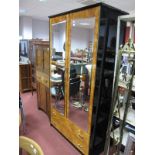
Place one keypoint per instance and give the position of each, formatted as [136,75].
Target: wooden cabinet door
[48,105]
[38,94]
[46,62]
[39,58]
[43,98]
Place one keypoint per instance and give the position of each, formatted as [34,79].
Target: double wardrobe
[74,74]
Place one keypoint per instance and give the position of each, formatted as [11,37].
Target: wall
[25,27]
[33,28]
[20,26]
[59,36]
[40,29]
[80,38]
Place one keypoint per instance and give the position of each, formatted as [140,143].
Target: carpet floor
[39,129]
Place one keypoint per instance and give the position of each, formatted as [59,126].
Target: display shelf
[130,116]
[117,133]
[123,84]
[123,122]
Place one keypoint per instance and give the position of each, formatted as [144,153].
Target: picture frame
[23,48]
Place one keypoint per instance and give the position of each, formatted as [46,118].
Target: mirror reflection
[82,39]
[58,66]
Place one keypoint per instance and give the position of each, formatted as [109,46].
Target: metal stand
[127,48]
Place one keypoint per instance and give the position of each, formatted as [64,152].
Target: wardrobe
[81,68]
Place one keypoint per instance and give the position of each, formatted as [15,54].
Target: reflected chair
[77,89]
[74,92]
[30,146]
[57,88]
[60,89]
[89,67]
[74,86]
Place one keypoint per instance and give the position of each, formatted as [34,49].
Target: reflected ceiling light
[43,0]
[59,23]
[22,10]
[62,22]
[84,24]
[73,23]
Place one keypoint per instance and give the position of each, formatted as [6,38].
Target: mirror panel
[82,40]
[57,89]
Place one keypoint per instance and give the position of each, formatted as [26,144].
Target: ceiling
[41,9]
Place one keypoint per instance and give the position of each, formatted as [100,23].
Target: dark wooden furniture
[25,77]
[32,56]
[84,122]
[43,97]
[42,76]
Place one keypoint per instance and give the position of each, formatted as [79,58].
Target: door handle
[80,136]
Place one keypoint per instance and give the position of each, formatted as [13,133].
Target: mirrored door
[57,66]
[82,40]
[82,66]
